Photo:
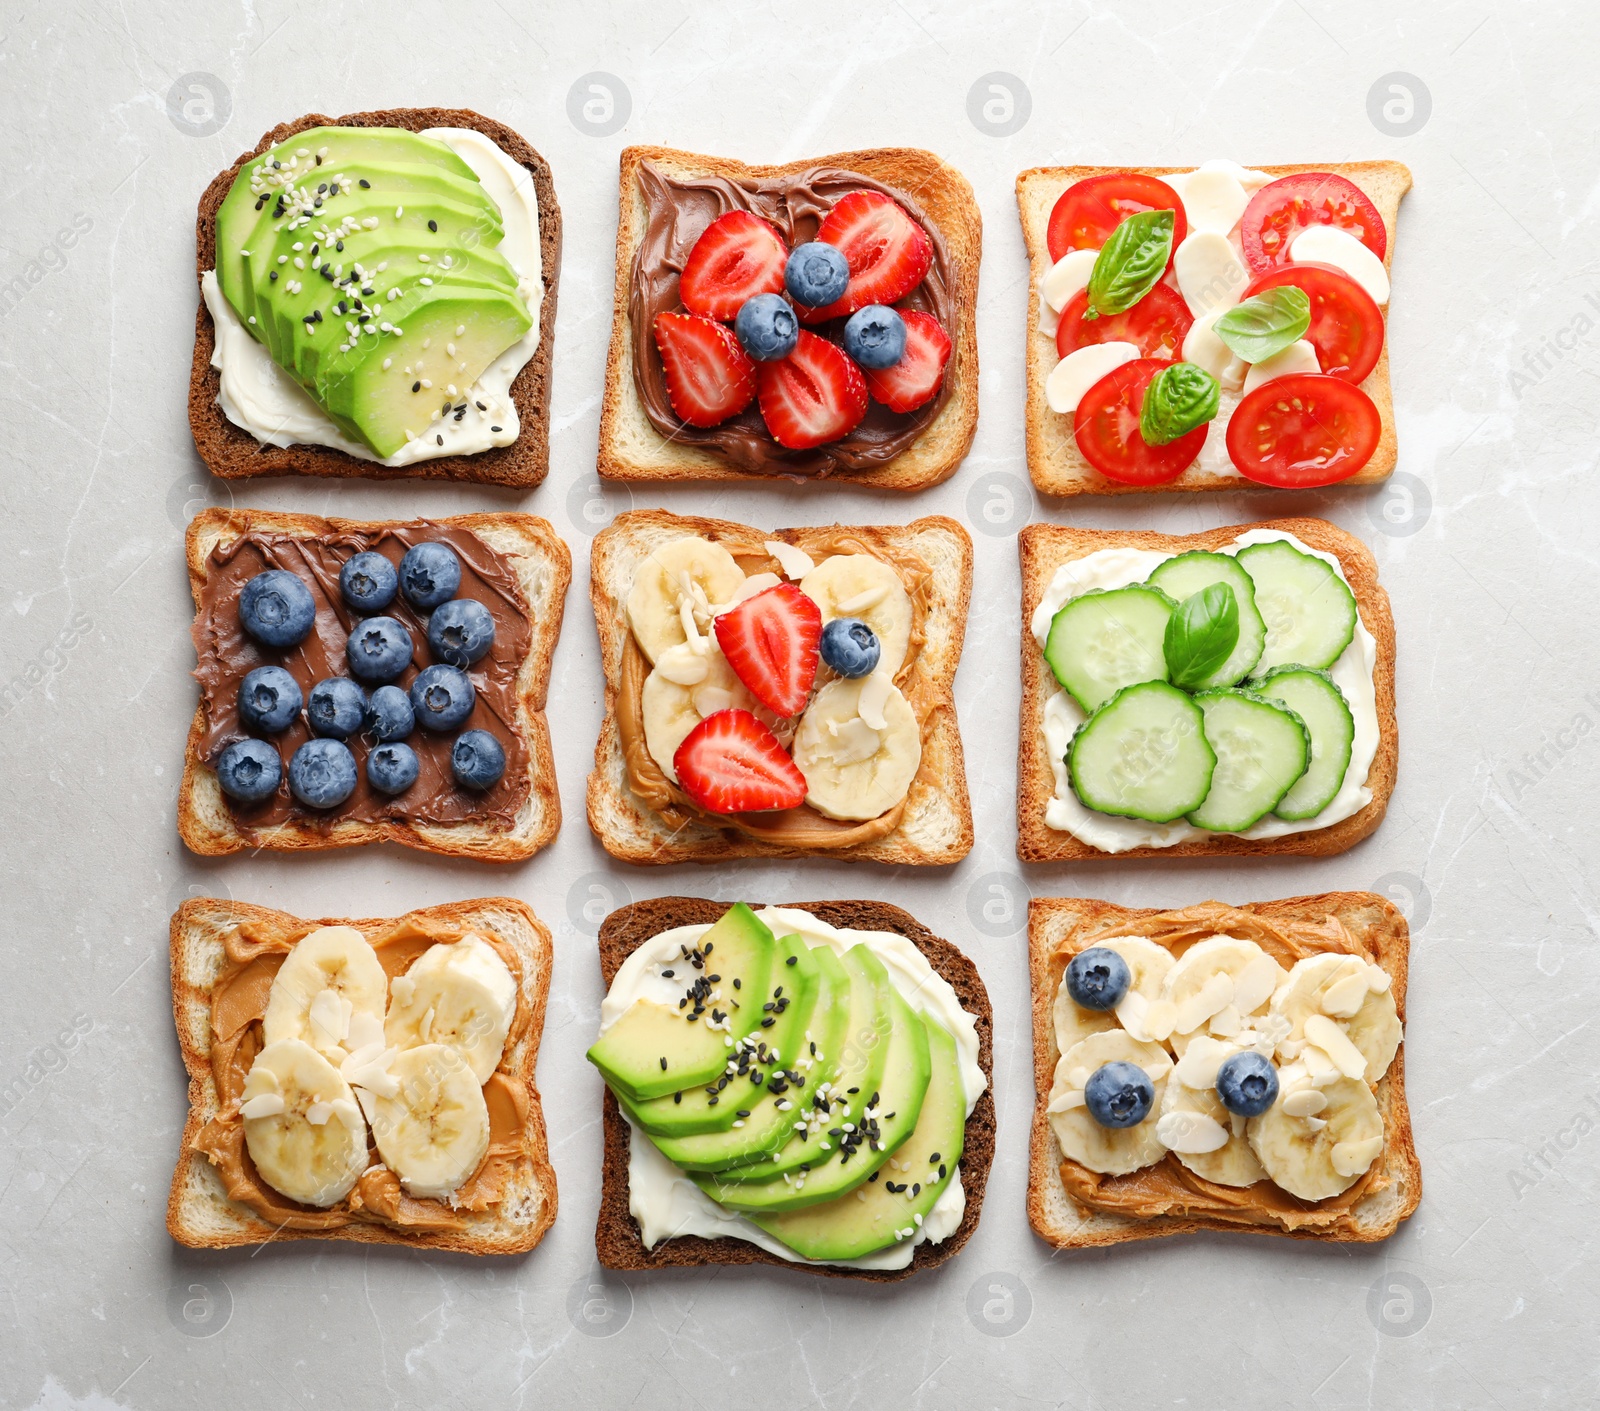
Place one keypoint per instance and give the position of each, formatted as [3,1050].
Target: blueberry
[442,697]
[430,573]
[850,647]
[875,336]
[1247,1083]
[269,700]
[368,582]
[767,328]
[336,708]
[816,274]
[378,649]
[392,768]
[1098,978]
[389,714]
[276,608]
[1119,1094]
[322,773]
[249,771]
[461,631]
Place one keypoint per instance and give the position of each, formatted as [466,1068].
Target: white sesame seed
[460,329]
[299,263]
[387,364]
[450,348]
[399,211]
[386,326]
[428,282]
[298,245]
[283,259]
[426,383]
[423,258]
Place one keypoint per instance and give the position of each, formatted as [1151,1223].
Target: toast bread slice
[1054,461]
[199,1212]
[617,1238]
[937,826]
[1073,922]
[232,453]
[543,566]
[630,446]
[1043,548]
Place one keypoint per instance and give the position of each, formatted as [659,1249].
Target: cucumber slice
[1261,749]
[1316,698]
[1143,754]
[1106,639]
[1187,574]
[1309,610]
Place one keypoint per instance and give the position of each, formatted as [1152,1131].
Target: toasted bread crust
[937,826]
[1043,548]
[233,453]
[1053,922]
[1054,461]
[617,1233]
[197,929]
[631,448]
[544,566]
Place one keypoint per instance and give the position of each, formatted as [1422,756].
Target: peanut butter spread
[802,826]
[238,1002]
[1168,1187]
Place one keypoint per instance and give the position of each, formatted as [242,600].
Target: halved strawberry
[737,256]
[814,395]
[770,641]
[709,376]
[731,763]
[888,252]
[917,376]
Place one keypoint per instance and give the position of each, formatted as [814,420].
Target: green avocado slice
[891,1205]
[652,1049]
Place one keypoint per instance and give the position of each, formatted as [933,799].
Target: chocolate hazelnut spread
[1168,1187]
[789,827]
[677,211]
[226,653]
[238,1002]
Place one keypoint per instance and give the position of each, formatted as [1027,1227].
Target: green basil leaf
[1130,263]
[1201,634]
[1266,324]
[1178,399]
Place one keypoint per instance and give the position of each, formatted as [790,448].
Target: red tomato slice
[1346,324]
[1302,430]
[1089,210]
[1107,428]
[1156,325]
[1281,209]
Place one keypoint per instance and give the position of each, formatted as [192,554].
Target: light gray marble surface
[116,115]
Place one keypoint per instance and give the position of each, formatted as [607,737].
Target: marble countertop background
[118,112]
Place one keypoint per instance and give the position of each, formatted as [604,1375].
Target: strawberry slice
[731,763]
[709,376]
[770,641]
[917,376]
[737,256]
[888,252]
[815,394]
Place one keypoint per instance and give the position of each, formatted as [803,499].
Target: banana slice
[329,986]
[671,709]
[1352,993]
[301,1124]
[1112,1151]
[1328,1147]
[675,589]
[854,769]
[456,993]
[1148,964]
[858,585]
[434,1131]
[1197,1128]
[1215,985]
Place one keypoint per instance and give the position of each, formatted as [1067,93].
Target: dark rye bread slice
[233,453]
[616,1233]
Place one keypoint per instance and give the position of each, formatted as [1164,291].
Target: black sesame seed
[365,183]
[676,1097]
[313,252]
[736,982]
[666,974]
[932,1160]
[494,428]
[941,1172]
[338,244]
[416,387]
[272,274]
[483,408]
[917,1188]
[741,1112]
[439,440]
[663,1065]
[791,960]
[768,1022]
[852,1091]
[433,225]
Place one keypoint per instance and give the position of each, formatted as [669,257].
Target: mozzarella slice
[1328,245]
[1202,347]
[1211,276]
[1049,319]
[1067,276]
[1214,199]
[1300,356]
[1076,373]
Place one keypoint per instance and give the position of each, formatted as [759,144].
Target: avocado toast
[847,1188]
